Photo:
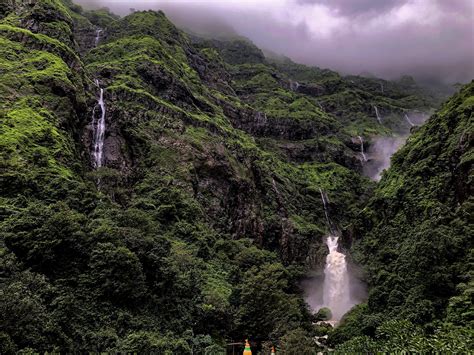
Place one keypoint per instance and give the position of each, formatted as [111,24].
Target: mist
[429,39]
[382,148]
[313,288]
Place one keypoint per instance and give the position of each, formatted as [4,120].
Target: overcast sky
[427,38]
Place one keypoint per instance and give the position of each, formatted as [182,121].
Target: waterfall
[362,148]
[408,120]
[98,126]
[325,200]
[377,114]
[97,36]
[336,291]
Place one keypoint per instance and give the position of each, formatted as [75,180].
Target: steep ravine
[211,163]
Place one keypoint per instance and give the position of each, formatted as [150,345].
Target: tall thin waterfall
[377,114]
[325,200]
[362,148]
[97,36]
[98,126]
[336,290]
[408,120]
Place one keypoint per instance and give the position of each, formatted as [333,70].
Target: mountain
[161,192]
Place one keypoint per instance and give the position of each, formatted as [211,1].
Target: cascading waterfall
[336,290]
[377,114]
[98,126]
[408,120]
[362,148]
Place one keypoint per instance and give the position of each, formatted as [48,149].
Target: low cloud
[429,39]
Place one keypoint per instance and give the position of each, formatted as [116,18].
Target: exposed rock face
[259,125]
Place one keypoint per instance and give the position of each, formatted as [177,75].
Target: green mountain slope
[207,212]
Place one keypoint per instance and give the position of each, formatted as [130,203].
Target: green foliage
[416,245]
[101,17]
[323,314]
[296,342]
[199,228]
[397,336]
[149,342]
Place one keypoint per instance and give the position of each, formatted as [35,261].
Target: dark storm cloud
[430,39]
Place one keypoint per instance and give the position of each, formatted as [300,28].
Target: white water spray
[336,290]
[377,114]
[340,289]
[362,148]
[98,126]
[408,120]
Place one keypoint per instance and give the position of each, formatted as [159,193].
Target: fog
[382,148]
[429,39]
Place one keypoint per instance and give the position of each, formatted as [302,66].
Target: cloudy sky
[430,39]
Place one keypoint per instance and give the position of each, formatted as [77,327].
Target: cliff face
[207,210]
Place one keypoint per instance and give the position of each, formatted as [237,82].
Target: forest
[165,192]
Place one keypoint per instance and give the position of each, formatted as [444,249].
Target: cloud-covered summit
[430,39]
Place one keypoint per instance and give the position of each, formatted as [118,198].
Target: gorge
[242,195]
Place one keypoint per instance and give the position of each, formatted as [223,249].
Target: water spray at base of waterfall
[380,152]
[382,148]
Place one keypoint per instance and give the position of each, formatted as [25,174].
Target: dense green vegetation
[417,244]
[207,214]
